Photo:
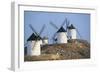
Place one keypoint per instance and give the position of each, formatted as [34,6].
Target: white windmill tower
[61,35]
[34,42]
[45,40]
[72,32]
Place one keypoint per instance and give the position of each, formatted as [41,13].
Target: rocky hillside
[74,49]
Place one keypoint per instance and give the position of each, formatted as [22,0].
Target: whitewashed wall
[73,33]
[62,37]
[34,50]
[45,41]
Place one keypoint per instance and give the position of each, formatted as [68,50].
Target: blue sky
[37,19]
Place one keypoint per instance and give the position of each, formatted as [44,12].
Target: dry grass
[80,50]
[42,57]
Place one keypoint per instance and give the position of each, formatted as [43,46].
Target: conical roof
[71,27]
[61,30]
[33,37]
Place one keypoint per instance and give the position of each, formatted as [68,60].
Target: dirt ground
[72,50]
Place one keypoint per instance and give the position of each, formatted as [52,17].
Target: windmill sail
[52,24]
[79,33]
[34,30]
[54,37]
[37,35]
[42,29]
[63,23]
[67,24]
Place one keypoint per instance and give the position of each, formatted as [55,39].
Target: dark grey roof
[61,30]
[71,27]
[33,37]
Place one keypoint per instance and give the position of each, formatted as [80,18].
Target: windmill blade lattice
[54,37]
[42,29]
[54,25]
[67,24]
[63,23]
[37,34]
[78,33]
[34,30]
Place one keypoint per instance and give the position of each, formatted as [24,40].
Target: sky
[37,19]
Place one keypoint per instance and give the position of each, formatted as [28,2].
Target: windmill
[61,35]
[44,39]
[35,41]
[73,32]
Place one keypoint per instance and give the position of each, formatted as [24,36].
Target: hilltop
[74,49]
